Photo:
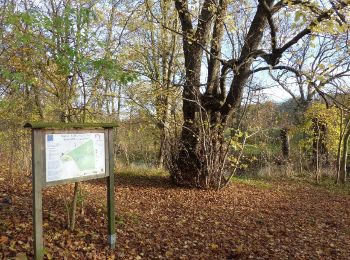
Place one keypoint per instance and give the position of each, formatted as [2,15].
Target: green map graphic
[84,156]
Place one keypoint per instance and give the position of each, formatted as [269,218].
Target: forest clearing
[253,218]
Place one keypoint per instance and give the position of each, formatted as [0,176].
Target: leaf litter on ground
[155,220]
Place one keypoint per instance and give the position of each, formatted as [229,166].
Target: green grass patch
[140,170]
[253,181]
[330,185]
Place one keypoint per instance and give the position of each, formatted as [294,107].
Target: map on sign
[74,155]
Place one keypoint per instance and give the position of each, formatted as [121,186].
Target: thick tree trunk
[188,165]
[201,163]
[200,154]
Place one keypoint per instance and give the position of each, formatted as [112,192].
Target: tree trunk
[206,115]
[317,157]
[320,149]
[37,101]
[164,99]
[341,134]
[164,137]
[71,210]
[285,143]
[343,163]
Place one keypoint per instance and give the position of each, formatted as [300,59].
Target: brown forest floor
[155,220]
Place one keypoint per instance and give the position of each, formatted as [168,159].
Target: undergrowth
[140,170]
[264,178]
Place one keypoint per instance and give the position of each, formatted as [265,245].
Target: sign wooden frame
[39,131]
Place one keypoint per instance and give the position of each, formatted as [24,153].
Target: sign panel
[74,155]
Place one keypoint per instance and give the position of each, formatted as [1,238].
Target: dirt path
[155,220]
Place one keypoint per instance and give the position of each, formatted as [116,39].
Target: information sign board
[74,155]
[66,153]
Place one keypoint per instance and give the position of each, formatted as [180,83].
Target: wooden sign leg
[110,193]
[37,195]
[38,223]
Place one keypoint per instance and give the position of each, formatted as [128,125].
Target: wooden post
[110,191]
[37,175]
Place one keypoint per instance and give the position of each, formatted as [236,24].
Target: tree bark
[214,108]
[284,134]
[320,149]
[343,163]
[164,135]
[188,163]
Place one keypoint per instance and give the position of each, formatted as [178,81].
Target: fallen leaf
[214,247]
[238,250]
[3,239]
[168,254]
[49,256]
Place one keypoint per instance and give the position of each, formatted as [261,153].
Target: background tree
[209,104]
[58,59]
[156,57]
